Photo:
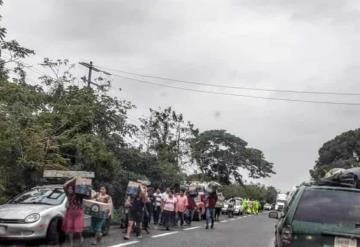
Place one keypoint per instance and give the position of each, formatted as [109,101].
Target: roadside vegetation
[55,123]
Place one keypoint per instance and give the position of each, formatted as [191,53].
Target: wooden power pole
[91,68]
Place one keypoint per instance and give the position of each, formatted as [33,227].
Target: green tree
[62,127]
[168,136]
[11,54]
[222,156]
[24,146]
[251,191]
[341,152]
[271,194]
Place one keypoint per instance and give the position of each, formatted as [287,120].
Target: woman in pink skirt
[74,217]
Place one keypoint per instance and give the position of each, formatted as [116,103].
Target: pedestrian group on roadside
[167,209]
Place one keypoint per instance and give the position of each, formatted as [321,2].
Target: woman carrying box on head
[74,217]
[97,223]
[136,204]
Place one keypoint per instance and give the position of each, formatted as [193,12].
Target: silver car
[36,214]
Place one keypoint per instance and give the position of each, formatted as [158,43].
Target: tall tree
[11,54]
[341,152]
[168,136]
[222,156]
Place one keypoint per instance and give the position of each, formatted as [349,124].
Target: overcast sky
[297,45]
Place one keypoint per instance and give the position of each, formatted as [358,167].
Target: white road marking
[164,234]
[192,228]
[124,244]
[232,219]
[223,221]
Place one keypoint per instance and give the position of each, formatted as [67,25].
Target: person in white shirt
[164,196]
[157,205]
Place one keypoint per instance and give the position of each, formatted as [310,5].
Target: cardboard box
[67,174]
[133,188]
[96,209]
[83,187]
[193,191]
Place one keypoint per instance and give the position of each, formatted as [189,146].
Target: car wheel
[54,234]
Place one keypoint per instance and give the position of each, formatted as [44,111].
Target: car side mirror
[274,215]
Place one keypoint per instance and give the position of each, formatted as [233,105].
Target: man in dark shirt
[210,201]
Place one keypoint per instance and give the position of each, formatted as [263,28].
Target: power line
[236,87]
[237,95]
[230,94]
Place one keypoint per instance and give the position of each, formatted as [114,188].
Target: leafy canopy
[223,156]
[341,152]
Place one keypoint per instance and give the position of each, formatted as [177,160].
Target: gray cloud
[299,45]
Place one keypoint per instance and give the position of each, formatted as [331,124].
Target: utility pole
[89,76]
[91,68]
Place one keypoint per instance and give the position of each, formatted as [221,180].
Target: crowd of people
[166,209]
[163,209]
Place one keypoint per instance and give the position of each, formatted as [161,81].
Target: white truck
[280,202]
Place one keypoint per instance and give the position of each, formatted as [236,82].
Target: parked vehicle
[267,206]
[37,214]
[319,216]
[280,202]
[225,207]
[238,208]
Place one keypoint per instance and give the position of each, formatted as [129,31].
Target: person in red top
[210,204]
[191,206]
[73,222]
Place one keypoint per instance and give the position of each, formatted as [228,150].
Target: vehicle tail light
[287,235]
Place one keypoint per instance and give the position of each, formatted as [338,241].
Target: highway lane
[243,231]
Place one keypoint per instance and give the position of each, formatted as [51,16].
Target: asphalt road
[246,231]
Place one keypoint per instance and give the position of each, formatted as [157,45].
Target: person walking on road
[219,205]
[136,213]
[74,217]
[191,207]
[147,213]
[157,206]
[97,223]
[256,207]
[244,205]
[210,203]
[169,206]
[164,196]
[181,205]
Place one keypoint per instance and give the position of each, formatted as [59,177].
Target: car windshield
[329,207]
[47,196]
